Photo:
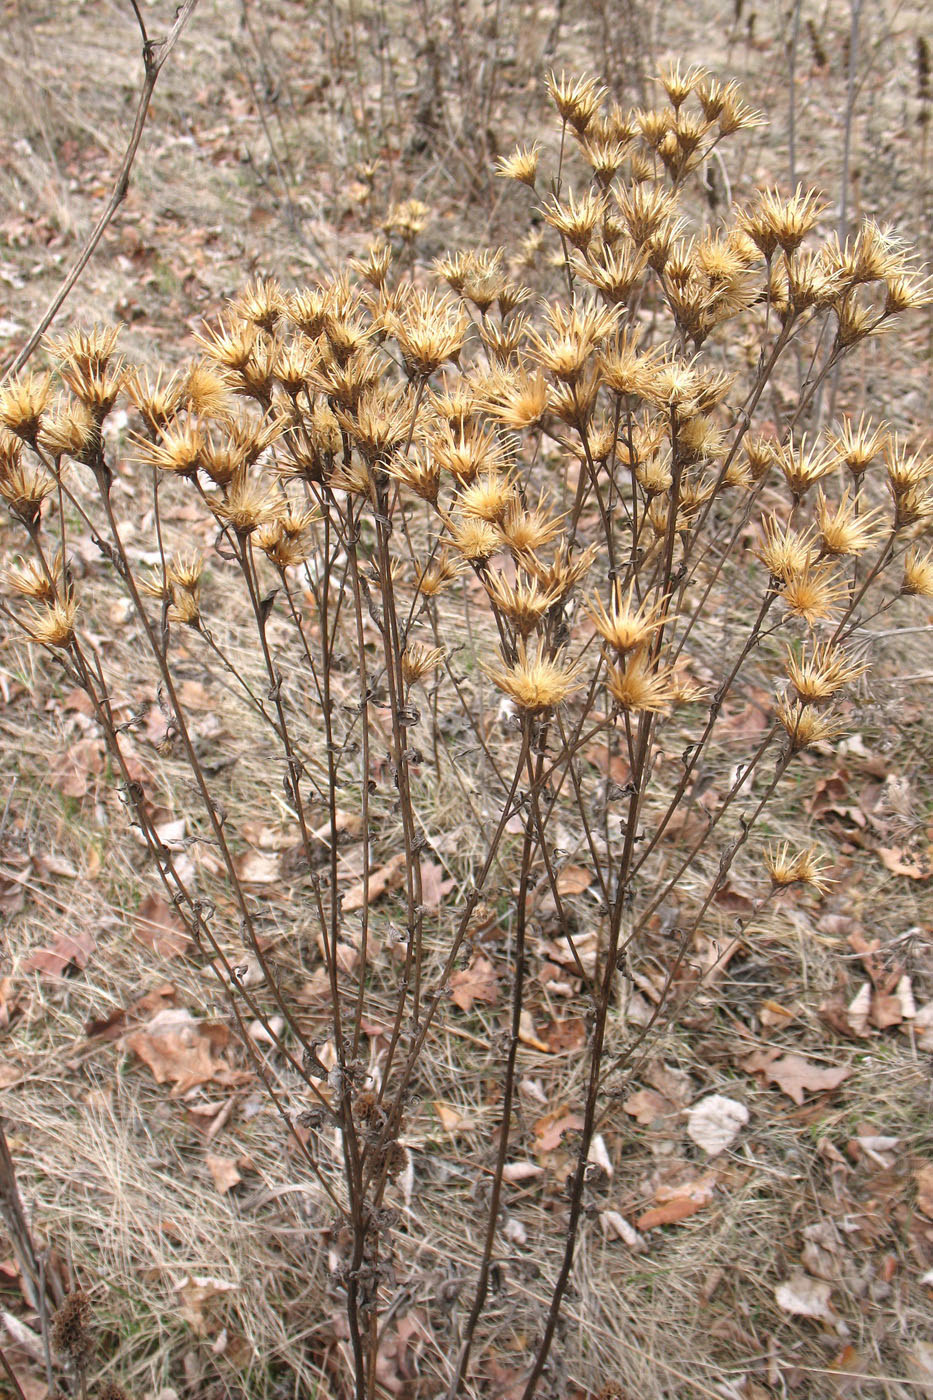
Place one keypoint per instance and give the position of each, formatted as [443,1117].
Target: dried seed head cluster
[413,471]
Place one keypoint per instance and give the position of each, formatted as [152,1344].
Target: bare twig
[154,58]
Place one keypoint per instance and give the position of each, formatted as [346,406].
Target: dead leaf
[900,862]
[794,1075]
[387,877]
[199,1296]
[805,1296]
[521,1171]
[224,1172]
[258,867]
[111,1027]
[549,1129]
[615,1224]
[451,1119]
[574,879]
[72,773]
[159,927]
[478,982]
[180,1049]
[9,1074]
[923,1026]
[924,1179]
[647,1106]
[434,885]
[715,1122]
[529,1036]
[678,1202]
[70,952]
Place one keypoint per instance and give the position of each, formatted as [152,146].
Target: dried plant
[573,528]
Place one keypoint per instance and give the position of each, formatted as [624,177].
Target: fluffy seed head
[536,683]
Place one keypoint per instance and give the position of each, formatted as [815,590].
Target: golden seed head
[803,465]
[475,539]
[786,553]
[575,219]
[157,402]
[23,401]
[576,99]
[430,331]
[185,608]
[70,430]
[918,574]
[517,399]
[841,530]
[488,496]
[857,445]
[419,661]
[641,685]
[185,571]
[419,471]
[374,268]
[627,624]
[261,303]
[23,486]
[407,219]
[679,85]
[178,449]
[806,867]
[815,593]
[819,674]
[231,344]
[437,575]
[88,351]
[526,531]
[537,682]
[806,725]
[53,626]
[381,421]
[29,579]
[248,504]
[777,222]
[523,602]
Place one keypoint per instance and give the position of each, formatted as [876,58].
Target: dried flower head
[521,165]
[576,99]
[642,685]
[23,401]
[537,682]
[523,602]
[248,504]
[430,331]
[815,593]
[71,1334]
[818,674]
[918,573]
[858,444]
[777,222]
[806,867]
[806,725]
[419,661]
[627,624]
[53,626]
[841,530]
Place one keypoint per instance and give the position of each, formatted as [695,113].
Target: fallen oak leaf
[478,982]
[223,1171]
[804,1296]
[387,877]
[70,952]
[676,1203]
[159,927]
[715,1122]
[794,1075]
[179,1049]
[550,1128]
